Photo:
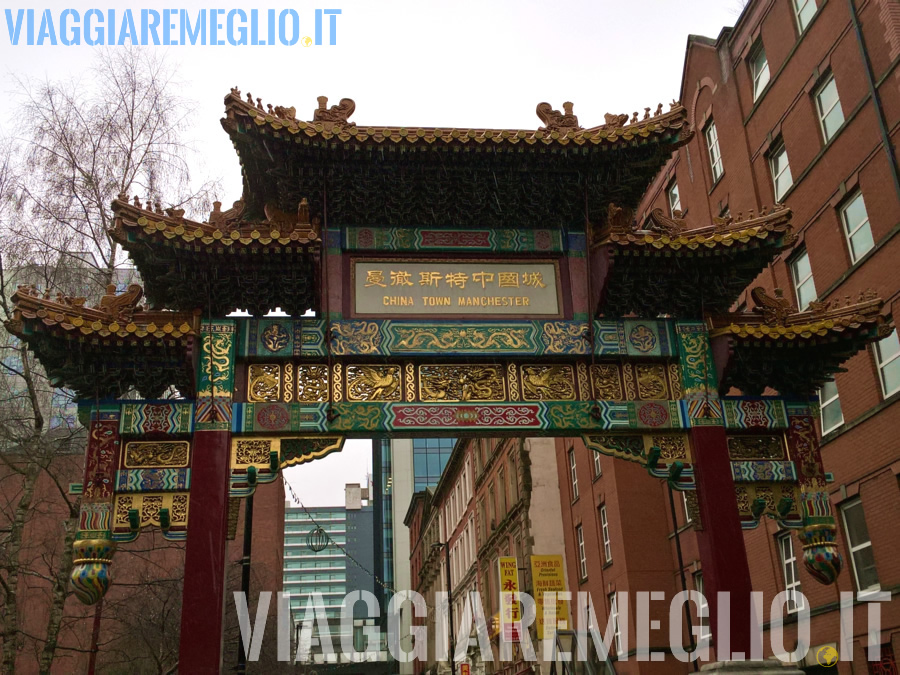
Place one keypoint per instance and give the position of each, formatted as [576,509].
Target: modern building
[331,551]
[401,467]
[498,498]
[798,103]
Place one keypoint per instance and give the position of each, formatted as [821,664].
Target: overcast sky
[465,63]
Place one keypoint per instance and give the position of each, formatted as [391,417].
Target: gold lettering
[401,279]
[482,278]
[508,279]
[533,279]
[429,278]
[375,278]
[457,279]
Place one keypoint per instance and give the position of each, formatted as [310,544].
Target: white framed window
[614,617]
[801,275]
[805,10]
[573,474]
[598,470]
[582,557]
[828,105]
[887,356]
[759,69]
[604,528]
[781,171]
[856,227]
[674,198]
[830,405]
[861,553]
[790,569]
[703,609]
[715,155]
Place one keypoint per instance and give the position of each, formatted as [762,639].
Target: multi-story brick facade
[496,498]
[799,104]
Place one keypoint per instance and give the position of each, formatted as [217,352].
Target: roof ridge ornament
[335,115]
[554,120]
[774,310]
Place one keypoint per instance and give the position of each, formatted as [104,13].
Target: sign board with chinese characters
[468,288]
[510,608]
[549,576]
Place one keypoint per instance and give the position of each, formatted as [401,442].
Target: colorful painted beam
[276,337]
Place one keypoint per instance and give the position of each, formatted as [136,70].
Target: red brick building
[141,613]
[798,103]
[496,498]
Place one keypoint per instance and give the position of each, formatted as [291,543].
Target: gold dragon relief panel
[374,383]
[630,381]
[152,454]
[651,381]
[548,383]
[263,382]
[606,381]
[461,383]
[312,383]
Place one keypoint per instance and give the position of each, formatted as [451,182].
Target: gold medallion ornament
[263,382]
[461,383]
[548,383]
[373,383]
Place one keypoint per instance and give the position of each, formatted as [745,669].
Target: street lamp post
[446,547]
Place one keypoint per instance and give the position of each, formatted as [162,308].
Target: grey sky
[466,63]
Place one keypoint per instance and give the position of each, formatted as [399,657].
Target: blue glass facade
[430,456]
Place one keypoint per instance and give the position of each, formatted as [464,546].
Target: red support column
[203,599]
[721,540]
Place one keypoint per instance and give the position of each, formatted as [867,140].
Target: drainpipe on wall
[876,98]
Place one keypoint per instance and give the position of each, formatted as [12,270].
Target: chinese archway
[463,281]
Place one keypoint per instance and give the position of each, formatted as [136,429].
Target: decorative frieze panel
[309,383]
[284,338]
[152,454]
[156,418]
[451,383]
[756,447]
[373,383]
[148,510]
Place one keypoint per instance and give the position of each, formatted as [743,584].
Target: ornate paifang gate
[468,281]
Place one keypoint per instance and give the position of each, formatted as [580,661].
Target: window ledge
[847,426]
[716,183]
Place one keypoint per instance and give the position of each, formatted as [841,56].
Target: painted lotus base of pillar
[767,667]
[90,576]
[821,556]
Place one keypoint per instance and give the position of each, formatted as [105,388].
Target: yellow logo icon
[827,656]
[306,41]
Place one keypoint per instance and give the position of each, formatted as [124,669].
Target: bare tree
[84,144]
[81,145]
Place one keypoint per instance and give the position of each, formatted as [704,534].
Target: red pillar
[721,540]
[203,598]
[203,608]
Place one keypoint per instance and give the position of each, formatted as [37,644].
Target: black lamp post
[446,547]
